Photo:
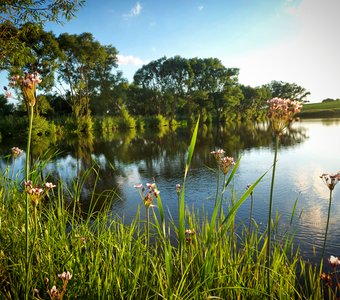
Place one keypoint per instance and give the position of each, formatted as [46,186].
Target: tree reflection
[151,152]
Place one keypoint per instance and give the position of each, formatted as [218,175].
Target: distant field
[321,110]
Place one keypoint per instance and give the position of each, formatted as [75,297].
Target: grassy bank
[321,110]
[145,259]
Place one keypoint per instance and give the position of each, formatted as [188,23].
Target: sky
[295,41]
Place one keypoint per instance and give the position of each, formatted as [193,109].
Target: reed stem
[270,214]
[27,173]
[327,224]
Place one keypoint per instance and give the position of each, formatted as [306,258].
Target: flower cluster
[189,233]
[225,162]
[330,179]
[27,84]
[281,113]
[36,193]
[16,151]
[149,195]
[330,278]
[334,261]
[54,293]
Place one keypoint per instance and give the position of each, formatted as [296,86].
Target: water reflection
[125,158]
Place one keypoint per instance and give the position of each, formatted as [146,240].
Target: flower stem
[27,172]
[251,211]
[270,214]
[218,184]
[329,212]
[147,226]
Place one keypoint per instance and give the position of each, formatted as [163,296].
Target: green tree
[254,99]
[218,82]
[5,107]
[287,90]
[15,13]
[107,87]
[84,64]
[43,52]
[179,85]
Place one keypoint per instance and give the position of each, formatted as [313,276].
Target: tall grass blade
[181,206]
[228,219]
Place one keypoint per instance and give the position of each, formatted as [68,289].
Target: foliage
[156,121]
[15,14]
[79,125]
[287,90]
[5,107]
[41,128]
[177,85]
[12,126]
[125,121]
[84,61]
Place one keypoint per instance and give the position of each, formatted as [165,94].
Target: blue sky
[289,40]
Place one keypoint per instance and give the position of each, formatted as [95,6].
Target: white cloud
[200,8]
[129,60]
[135,11]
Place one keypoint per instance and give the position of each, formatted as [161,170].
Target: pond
[307,150]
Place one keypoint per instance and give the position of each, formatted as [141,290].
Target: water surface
[308,149]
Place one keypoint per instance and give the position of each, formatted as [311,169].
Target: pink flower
[151,185]
[334,261]
[281,112]
[227,163]
[65,276]
[138,186]
[16,151]
[218,153]
[330,179]
[49,185]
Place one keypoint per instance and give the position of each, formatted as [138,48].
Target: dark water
[308,149]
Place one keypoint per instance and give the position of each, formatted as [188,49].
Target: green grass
[109,259]
[320,110]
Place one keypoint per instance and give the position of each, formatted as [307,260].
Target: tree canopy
[14,14]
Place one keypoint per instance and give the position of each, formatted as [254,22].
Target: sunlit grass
[204,256]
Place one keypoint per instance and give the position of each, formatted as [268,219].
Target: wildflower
[334,261]
[27,84]
[28,183]
[54,293]
[37,193]
[138,186]
[49,185]
[226,163]
[326,278]
[189,231]
[65,276]
[188,234]
[150,195]
[16,151]
[330,179]
[281,113]
[151,185]
[36,292]
[218,154]
[178,188]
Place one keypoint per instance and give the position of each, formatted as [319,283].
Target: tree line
[80,76]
